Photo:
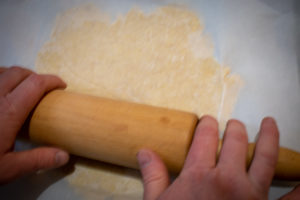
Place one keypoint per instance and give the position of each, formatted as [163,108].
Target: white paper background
[258,39]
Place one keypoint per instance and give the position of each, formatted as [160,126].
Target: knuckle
[239,137]
[37,81]
[268,158]
[220,174]
[37,161]
[7,107]
[16,69]
[194,174]
[228,175]
[41,160]
[153,178]
[225,179]
[219,177]
[191,175]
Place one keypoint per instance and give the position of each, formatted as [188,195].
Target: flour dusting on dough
[93,180]
[162,59]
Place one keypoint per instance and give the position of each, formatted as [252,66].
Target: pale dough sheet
[162,59]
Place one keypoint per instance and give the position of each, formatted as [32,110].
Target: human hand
[20,91]
[206,177]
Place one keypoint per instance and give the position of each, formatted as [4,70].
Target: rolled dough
[162,59]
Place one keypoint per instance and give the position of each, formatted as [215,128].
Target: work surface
[258,39]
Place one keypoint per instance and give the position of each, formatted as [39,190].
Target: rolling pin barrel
[114,131]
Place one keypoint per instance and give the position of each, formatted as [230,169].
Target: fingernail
[269,120]
[61,158]
[144,158]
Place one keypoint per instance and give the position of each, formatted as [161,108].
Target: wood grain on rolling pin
[288,163]
[114,131]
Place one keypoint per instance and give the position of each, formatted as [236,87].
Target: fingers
[11,77]
[17,105]
[203,151]
[155,174]
[294,194]
[27,94]
[16,164]
[20,91]
[266,152]
[235,146]
[2,69]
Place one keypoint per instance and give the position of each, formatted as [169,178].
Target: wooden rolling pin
[114,131]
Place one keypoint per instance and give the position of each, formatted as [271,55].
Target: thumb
[16,164]
[154,172]
[294,194]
